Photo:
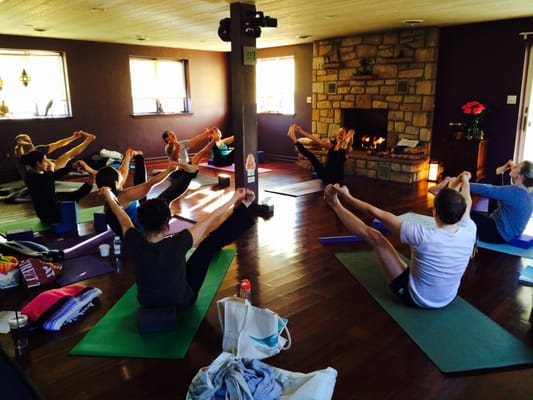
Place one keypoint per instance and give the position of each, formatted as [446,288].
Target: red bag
[37,272]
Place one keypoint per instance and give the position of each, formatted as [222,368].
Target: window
[275,85]
[159,86]
[42,93]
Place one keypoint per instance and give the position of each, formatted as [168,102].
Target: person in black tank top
[333,170]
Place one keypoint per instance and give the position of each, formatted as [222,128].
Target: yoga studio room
[268,200]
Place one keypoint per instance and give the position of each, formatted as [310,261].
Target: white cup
[104,250]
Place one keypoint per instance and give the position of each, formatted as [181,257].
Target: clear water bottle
[116,246]
[245,290]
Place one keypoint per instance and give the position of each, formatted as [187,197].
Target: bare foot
[88,136]
[291,134]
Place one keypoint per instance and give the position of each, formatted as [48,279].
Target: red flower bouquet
[473,111]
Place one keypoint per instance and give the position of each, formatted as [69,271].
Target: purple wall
[272,128]
[101,98]
[481,62]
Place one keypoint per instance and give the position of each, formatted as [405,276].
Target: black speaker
[224,30]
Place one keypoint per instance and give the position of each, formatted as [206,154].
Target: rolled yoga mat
[456,338]
[116,334]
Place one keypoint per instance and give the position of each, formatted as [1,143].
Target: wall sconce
[25,78]
[435,171]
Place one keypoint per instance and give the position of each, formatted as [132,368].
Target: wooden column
[243,97]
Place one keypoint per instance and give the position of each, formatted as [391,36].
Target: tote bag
[250,331]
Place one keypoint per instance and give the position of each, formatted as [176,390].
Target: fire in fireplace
[370,126]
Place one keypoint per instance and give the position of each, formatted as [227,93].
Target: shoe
[115,155]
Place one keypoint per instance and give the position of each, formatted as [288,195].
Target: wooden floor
[333,320]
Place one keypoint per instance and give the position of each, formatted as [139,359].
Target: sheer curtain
[524,137]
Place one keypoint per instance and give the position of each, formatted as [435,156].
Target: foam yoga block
[524,241]
[160,319]
[100,223]
[376,223]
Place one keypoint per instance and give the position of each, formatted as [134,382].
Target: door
[524,137]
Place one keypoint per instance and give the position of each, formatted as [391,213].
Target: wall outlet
[511,99]
[308,99]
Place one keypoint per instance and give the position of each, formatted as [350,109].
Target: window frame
[186,99]
[40,82]
[280,96]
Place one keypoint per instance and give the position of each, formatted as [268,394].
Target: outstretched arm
[111,200]
[139,191]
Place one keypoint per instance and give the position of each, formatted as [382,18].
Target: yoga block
[99,221]
[20,234]
[523,241]
[159,319]
[341,239]
[224,180]
[376,223]
[64,228]
[260,156]
[69,212]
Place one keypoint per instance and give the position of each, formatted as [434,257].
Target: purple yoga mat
[81,268]
[178,224]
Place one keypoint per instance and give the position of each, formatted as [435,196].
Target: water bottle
[245,290]
[116,246]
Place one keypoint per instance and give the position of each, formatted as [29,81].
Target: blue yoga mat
[456,338]
[502,248]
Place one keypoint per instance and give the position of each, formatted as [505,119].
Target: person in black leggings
[41,180]
[333,170]
[164,277]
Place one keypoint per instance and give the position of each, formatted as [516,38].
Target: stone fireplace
[370,127]
[391,76]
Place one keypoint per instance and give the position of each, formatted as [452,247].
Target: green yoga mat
[84,215]
[456,338]
[116,333]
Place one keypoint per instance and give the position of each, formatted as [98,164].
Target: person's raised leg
[390,262]
[239,221]
[63,159]
[315,163]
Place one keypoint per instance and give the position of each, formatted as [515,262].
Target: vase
[472,132]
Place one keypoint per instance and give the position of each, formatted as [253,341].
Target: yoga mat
[81,268]
[200,180]
[231,168]
[177,224]
[502,248]
[84,215]
[456,338]
[116,333]
[299,189]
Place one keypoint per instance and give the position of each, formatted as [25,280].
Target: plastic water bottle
[116,246]
[245,290]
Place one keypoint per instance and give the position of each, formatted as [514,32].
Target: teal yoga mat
[116,333]
[502,248]
[84,215]
[456,338]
